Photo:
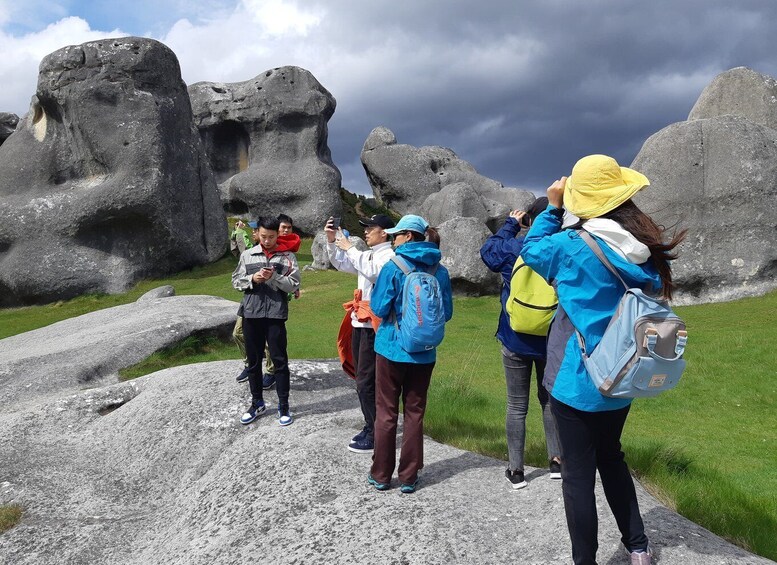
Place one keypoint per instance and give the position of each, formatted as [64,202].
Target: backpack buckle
[651,337]
[682,339]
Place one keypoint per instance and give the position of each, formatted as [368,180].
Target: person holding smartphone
[266,275]
[356,339]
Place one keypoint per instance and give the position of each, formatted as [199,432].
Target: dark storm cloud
[522,92]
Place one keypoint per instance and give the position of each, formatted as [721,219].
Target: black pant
[591,441]
[257,332]
[363,348]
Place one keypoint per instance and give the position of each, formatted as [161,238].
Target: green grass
[708,448]
[10,515]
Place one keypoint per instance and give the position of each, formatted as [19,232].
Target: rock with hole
[104,181]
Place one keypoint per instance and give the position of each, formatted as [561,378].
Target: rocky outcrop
[104,181]
[159,470]
[408,179]
[89,350]
[460,243]
[8,124]
[717,177]
[739,92]
[266,141]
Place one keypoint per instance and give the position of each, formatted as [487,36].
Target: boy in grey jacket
[266,275]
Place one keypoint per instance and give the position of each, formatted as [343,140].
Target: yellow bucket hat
[598,185]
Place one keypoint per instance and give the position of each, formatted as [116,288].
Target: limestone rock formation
[104,181]
[89,350]
[159,470]
[460,243]
[266,141]
[403,177]
[717,177]
[8,124]
[739,92]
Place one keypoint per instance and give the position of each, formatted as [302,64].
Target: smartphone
[335,223]
[278,268]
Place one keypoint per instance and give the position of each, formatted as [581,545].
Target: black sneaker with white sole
[555,469]
[516,478]
[365,445]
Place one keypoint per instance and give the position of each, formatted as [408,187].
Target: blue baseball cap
[253,225]
[410,222]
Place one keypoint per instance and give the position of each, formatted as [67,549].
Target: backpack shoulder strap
[403,265]
[594,246]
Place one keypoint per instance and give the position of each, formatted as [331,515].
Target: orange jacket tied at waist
[363,313]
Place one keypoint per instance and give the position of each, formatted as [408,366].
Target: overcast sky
[519,89]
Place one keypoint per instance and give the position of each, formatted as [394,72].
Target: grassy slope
[707,448]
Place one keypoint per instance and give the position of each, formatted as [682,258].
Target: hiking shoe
[243,376]
[641,557]
[408,488]
[268,380]
[365,445]
[516,478]
[555,469]
[284,416]
[377,485]
[253,413]
[361,435]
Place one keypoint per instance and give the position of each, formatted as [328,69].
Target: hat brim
[589,204]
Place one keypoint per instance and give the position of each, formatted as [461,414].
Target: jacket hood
[422,252]
[619,240]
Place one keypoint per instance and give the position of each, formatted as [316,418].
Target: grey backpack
[641,351]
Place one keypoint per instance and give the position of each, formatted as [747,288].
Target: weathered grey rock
[461,200]
[266,140]
[321,257]
[739,92]
[717,178]
[460,243]
[104,181]
[403,177]
[116,475]
[87,351]
[158,292]
[8,124]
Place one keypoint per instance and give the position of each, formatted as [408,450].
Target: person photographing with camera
[266,275]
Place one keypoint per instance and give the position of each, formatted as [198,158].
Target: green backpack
[532,301]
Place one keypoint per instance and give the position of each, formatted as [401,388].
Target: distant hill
[357,206]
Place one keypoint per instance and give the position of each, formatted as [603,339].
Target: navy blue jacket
[499,253]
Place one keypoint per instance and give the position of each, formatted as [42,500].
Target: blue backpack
[422,324]
[641,351]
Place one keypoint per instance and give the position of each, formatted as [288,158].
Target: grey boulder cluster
[716,175]
[110,178]
[446,190]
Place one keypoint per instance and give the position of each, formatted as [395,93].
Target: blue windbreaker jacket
[588,295]
[499,253]
[387,296]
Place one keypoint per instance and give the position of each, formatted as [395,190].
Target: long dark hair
[642,226]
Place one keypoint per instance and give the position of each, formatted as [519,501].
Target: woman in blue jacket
[520,351]
[590,425]
[397,372]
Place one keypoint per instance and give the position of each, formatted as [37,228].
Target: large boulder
[460,242]
[266,141]
[88,350]
[716,177]
[104,181]
[739,92]
[8,123]
[404,177]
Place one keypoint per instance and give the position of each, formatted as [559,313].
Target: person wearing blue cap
[401,373]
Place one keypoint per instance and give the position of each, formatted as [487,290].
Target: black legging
[591,441]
